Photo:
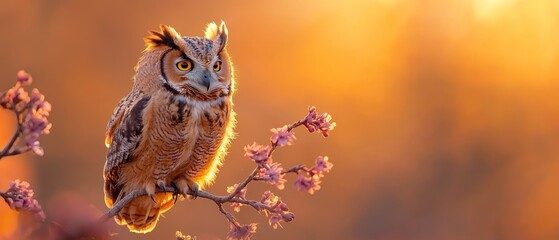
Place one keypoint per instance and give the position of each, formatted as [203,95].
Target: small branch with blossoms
[20,198]
[267,171]
[31,112]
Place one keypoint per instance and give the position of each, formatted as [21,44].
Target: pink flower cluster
[322,166]
[268,171]
[36,122]
[309,180]
[16,97]
[315,122]
[258,153]
[277,210]
[20,198]
[282,136]
[273,174]
[32,111]
[241,195]
[241,232]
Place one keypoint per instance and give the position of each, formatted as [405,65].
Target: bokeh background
[447,110]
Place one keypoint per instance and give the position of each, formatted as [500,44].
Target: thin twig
[295,169]
[18,151]
[228,215]
[7,149]
[242,185]
[10,144]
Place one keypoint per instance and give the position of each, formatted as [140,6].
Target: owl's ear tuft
[165,37]
[217,34]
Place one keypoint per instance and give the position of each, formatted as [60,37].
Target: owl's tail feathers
[142,213]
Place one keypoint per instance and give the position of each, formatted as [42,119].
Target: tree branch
[129,197]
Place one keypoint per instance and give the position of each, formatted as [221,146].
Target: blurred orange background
[447,111]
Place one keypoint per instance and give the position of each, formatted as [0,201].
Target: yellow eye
[217,66]
[185,65]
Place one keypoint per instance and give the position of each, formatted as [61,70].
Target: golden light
[447,110]
[486,9]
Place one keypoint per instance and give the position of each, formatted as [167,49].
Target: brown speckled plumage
[175,125]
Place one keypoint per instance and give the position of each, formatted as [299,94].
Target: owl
[174,127]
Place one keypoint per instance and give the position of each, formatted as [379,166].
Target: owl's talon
[152,197]
[194,189]
[176,192]
[186,187]
[162,186]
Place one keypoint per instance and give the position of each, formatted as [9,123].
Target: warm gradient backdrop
[447,111]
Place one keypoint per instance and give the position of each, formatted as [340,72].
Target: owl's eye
[217,66]
[184,65]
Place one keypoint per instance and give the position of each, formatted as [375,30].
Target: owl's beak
[206,80]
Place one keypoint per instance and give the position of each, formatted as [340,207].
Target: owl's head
[196,67]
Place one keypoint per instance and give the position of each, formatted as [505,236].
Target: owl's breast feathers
[163,137]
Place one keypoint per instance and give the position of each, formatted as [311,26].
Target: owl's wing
[125,135]
[116,118]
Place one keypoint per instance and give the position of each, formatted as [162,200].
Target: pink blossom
[258,153]
[272,201]
[278,216]
[307,182]
[36,122]
[242,232]
[33,127]
[36,96]
[15,98]
[23,78]
[40,106]
[6,99]
[43,108]
[277,209]
[282,136]
[268,198]
[37,149]
[322,165]
[241,194]
[287,216]
[314,122]
[272,174]
[274,220]
[20,198]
